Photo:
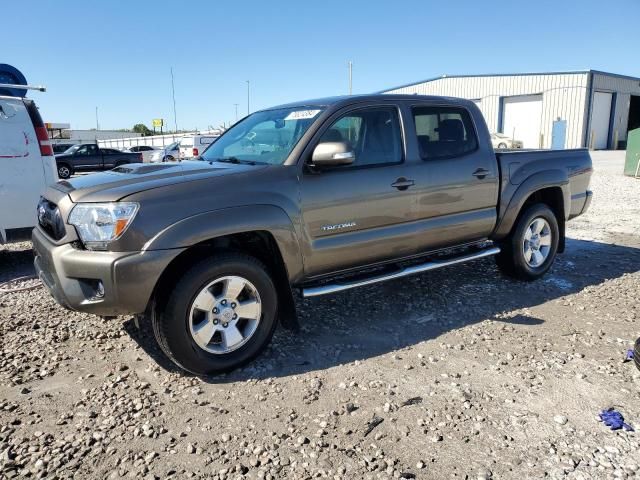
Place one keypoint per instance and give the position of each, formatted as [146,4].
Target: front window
[263,137]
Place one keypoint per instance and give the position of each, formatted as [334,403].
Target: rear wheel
[64,171]
[531,248]
[168,158]
[502,145]
[219,316]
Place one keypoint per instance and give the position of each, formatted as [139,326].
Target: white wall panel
[564,97]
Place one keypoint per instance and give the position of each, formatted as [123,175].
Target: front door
[358,214]
[87,157]
[457,185]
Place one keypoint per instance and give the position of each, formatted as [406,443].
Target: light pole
[236,111]
[97,122]
[173,94]
[248,109]
[350,77]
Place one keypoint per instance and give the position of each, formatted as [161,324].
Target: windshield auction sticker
[302,114]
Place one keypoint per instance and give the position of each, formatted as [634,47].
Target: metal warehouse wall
[623,88]
[564,96]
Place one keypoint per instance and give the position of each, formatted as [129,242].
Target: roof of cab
[353,99]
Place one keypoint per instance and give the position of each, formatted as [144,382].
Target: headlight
[100,223]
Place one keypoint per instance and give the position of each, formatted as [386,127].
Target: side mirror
[332,154]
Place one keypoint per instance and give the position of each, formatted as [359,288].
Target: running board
[404,272]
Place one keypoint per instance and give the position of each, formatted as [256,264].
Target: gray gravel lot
[458,373]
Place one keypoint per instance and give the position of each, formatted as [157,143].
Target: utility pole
[248,109]
[350,77]
[97,122]
[173,94]
[236,111]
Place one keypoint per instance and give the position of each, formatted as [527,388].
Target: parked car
[193,145]
[146,150]
[169,153]
[356,191]
[27,165]
[89,157]
[500,140]
[61,147]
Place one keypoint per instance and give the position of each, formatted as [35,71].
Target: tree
[143,129]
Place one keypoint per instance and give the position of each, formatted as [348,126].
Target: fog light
[99,290]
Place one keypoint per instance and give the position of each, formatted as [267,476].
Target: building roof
[571,72]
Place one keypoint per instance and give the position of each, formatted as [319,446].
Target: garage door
[522,119]
[600,118]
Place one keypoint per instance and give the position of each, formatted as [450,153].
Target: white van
[27,166]
[193,145]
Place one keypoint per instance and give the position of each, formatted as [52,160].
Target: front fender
[514,196]
[227,221]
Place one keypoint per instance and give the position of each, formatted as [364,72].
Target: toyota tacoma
[313,197]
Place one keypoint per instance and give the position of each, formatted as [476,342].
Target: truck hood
[132,178]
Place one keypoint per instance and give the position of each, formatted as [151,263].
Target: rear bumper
[580,203]
[102,283]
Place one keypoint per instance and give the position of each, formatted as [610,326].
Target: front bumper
[102,283]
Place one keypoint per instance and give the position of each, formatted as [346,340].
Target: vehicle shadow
[375,320]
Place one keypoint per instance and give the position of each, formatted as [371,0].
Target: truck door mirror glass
[332,154]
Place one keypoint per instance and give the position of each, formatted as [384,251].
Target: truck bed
[569,170]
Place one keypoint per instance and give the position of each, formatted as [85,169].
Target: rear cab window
[444,132]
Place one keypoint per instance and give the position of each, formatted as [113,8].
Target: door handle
[480,173]
[403,183]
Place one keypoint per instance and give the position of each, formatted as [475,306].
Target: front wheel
[168,158]
[64,171]
[219,315]
[529,251]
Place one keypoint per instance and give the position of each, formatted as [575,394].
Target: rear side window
[373,133]
[444,132]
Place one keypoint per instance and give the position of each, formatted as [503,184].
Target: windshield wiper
[236,160]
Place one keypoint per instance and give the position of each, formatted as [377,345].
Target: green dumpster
[633,153]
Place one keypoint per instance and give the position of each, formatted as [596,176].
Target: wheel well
[259,244]
[554,199]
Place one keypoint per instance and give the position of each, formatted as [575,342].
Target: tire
[502,145]
[168,158]
[179,323]
[514,259]
[64,171]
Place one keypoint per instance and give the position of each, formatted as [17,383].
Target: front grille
[49,219]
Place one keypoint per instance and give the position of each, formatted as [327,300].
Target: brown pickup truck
[313,197]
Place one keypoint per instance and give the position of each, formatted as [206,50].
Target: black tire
[168,158]
[171,318]
[511,259]
[502,145]
[64,171]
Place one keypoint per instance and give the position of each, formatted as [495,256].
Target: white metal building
[548,110]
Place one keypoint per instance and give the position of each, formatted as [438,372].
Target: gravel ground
[458,373]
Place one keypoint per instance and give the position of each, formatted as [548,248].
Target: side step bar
[412,270]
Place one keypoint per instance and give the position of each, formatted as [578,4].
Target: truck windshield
[71,149]
[263,137]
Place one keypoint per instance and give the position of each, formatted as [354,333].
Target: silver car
[170,153]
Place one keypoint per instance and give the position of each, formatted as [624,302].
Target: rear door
[22,172]
[358,214]
[111,157]
[457,184]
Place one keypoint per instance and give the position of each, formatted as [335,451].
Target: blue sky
[117,55]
